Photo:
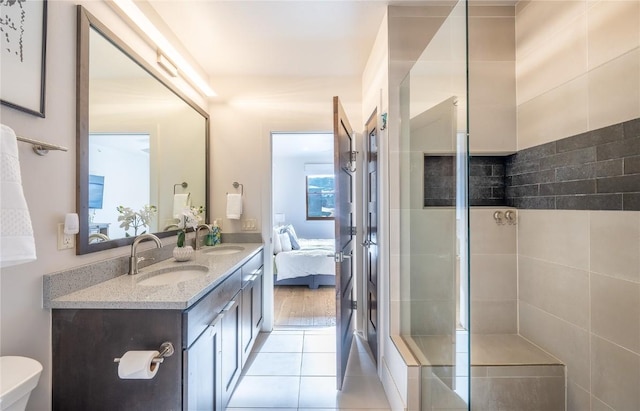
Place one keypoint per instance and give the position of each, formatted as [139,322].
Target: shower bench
[507,373]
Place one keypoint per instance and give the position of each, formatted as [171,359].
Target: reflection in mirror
[139,142]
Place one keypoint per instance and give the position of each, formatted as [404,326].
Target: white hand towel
[17,245]
[234,206]
[180,202]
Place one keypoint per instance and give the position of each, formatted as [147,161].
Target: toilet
[18,377]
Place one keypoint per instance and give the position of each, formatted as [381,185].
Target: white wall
[241,130]
[50,188]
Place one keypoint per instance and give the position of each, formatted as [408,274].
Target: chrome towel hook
[510,216]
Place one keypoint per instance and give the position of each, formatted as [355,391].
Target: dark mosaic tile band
[486,181]
[596,170]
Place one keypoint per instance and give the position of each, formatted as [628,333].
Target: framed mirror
[142,146]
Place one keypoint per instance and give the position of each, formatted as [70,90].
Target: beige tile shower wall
[432,271]
[577,67]
[579,299]
[493,274]
[492,82]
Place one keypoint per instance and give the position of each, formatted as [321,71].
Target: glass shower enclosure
[434,229]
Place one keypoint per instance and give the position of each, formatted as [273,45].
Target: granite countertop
[125,292]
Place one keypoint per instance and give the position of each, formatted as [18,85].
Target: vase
[183,253]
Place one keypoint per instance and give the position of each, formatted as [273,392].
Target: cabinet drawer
[251,267]
[197,318]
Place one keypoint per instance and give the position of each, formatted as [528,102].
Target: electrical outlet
[65,241]
[249,224]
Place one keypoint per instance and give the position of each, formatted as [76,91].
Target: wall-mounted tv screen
[96,191]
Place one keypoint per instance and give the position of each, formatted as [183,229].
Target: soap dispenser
[213,237]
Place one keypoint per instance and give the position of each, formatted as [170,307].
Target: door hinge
[351,164]
[354,304]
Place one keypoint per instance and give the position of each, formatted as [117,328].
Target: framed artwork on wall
[23,32]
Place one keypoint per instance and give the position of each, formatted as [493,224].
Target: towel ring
[236,185]
[183,184]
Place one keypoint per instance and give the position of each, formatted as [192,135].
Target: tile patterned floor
[295,370]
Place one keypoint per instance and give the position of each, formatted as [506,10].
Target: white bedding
[314,257]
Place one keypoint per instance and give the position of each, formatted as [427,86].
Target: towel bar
[39,147]
[183,184]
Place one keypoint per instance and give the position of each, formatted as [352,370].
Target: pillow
[277,244]
[285,241]
[293,238]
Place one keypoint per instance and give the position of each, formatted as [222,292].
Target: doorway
[303,230]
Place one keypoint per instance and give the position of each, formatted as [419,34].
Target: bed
[312,265]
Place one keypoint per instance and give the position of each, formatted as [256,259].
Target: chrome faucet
[208,226]
[134,259]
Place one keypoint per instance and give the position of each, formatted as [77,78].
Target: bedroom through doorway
[303,230]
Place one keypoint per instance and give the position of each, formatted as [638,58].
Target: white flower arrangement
[136,219]
[189,218]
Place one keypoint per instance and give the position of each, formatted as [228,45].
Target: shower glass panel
[434,216]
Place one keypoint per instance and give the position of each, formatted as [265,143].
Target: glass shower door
[434,229]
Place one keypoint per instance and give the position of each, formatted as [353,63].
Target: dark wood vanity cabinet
[201,362]
[204,354]
[231,337]
[85,343]
[211,339]
[252,312]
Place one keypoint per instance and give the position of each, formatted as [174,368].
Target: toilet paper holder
[166,350]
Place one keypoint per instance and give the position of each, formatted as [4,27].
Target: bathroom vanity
[212,320]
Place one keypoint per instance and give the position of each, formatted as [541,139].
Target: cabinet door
[247,320]
[202,384]
[258,287]
[231,360]
[251,312]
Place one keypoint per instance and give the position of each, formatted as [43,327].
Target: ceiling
[264,51]
[281,37]
[302,38]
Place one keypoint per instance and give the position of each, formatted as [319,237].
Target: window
[321,204]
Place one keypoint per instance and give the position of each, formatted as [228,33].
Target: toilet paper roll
[137,365]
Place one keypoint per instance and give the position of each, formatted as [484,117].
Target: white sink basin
[224,250]
[173,275]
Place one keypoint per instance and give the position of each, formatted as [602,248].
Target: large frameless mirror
[142,145]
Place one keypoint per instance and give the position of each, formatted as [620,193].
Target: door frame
[364,209]
[268,223]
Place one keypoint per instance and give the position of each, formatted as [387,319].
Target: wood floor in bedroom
[300,306]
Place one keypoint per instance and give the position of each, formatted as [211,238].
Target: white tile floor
[296,370]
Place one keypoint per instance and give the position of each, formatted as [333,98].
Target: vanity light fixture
[146,28]
[168,66]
